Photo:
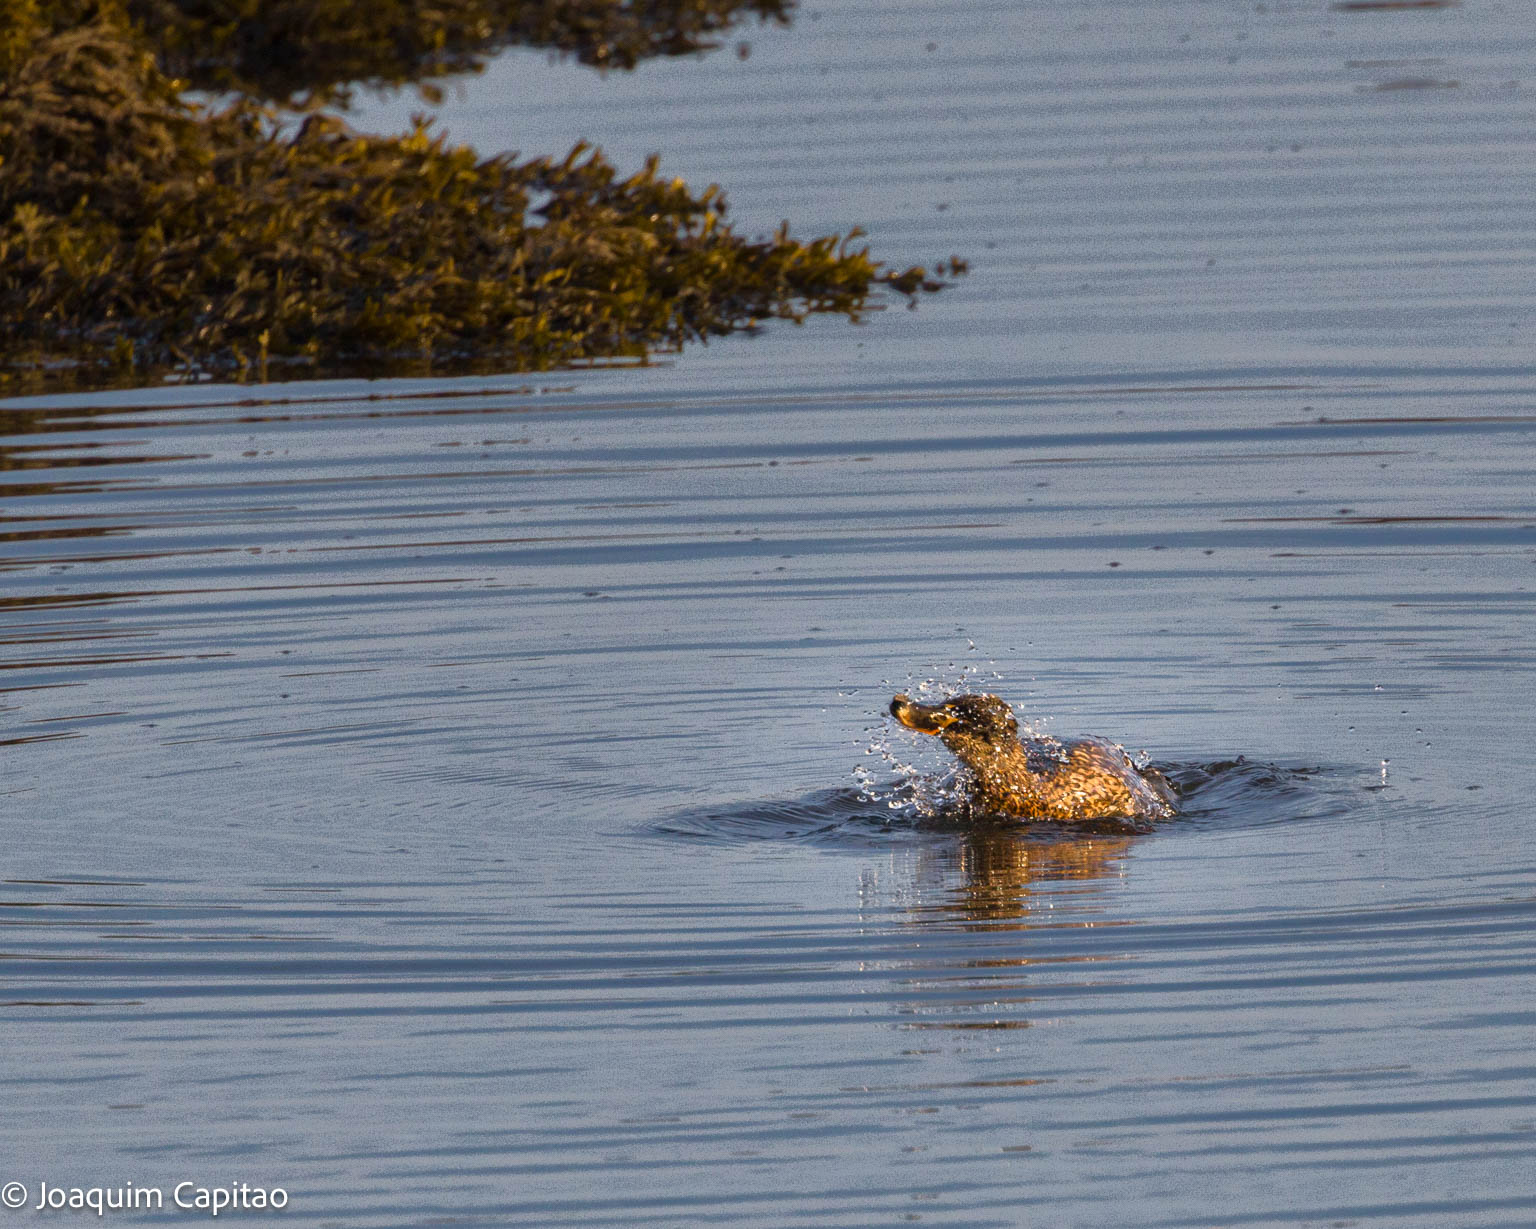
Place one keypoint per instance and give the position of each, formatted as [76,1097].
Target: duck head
[965,723]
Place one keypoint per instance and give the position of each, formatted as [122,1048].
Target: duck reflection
[1012,918]
[1005,873]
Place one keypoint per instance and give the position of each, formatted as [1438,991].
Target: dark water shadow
[1224,793]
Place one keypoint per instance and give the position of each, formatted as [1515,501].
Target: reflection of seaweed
[140,232]
[309,47]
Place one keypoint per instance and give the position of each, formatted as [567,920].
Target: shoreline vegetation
[144,234]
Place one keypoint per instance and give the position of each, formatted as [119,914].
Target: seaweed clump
[142,232]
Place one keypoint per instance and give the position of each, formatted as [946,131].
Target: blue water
[438,799]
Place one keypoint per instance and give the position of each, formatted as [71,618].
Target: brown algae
[143,233]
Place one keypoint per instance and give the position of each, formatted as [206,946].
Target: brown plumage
[1082,780]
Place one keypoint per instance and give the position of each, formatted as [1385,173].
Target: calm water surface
[437,798]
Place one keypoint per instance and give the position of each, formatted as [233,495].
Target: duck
[1048,780]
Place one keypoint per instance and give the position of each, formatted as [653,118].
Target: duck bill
[921,717]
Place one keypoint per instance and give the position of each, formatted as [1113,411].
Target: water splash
[887,776]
